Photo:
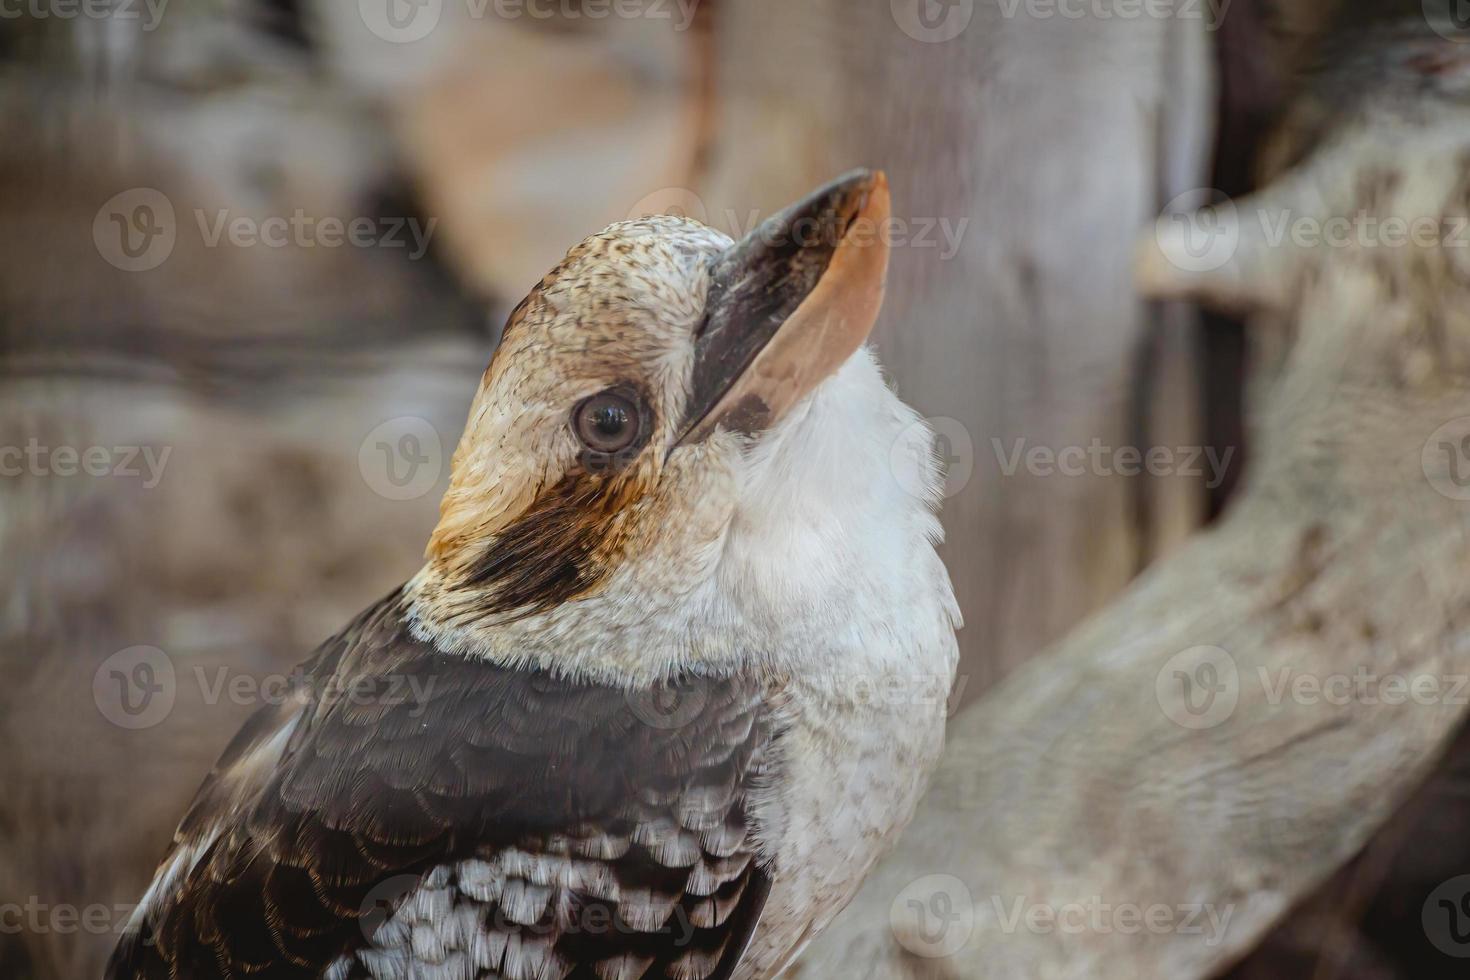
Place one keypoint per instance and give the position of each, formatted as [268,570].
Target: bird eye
[608,423]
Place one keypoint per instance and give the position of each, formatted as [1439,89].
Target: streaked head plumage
[648,405]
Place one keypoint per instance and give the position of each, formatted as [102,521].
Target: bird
[673,674]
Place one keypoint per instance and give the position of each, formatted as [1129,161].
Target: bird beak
[788,305]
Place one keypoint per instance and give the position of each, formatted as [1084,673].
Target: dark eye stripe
[558,550]
[564,544]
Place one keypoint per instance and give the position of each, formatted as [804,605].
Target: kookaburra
[673,674]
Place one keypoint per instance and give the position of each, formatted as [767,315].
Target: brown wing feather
[543,824]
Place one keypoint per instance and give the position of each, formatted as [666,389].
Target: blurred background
[254,255]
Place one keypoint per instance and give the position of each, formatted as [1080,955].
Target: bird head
[646,395]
